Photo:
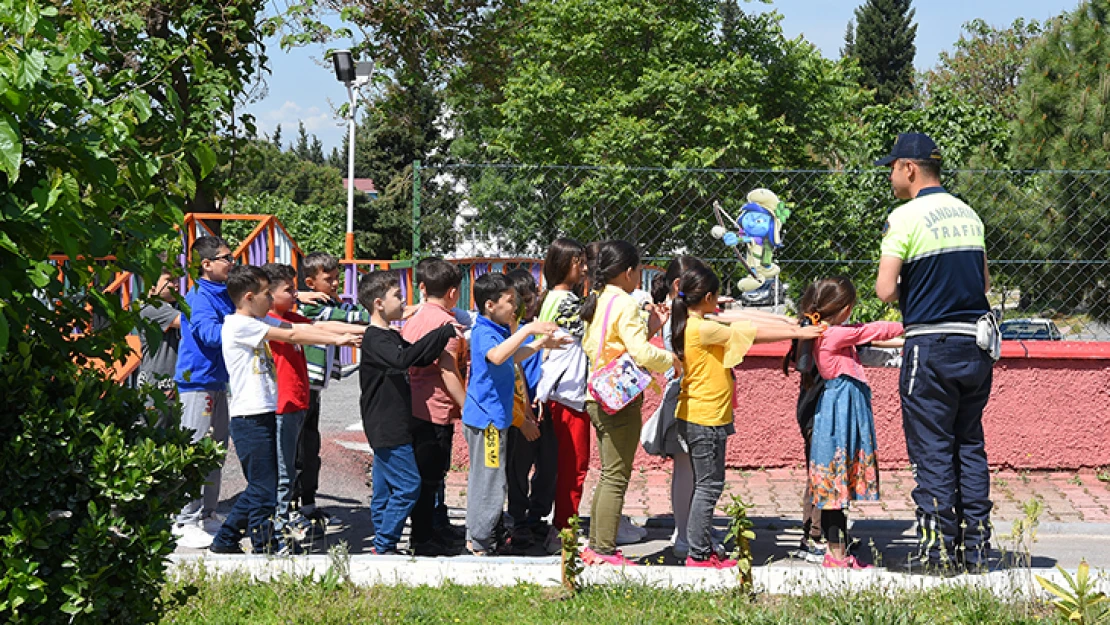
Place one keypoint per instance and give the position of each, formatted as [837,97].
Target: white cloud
[290,113]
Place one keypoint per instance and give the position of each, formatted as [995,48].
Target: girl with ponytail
[709,350]
[842,463]
[614,326]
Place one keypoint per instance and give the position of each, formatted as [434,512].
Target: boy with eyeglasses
[200,374]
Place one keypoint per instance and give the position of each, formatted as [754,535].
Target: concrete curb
[780,578]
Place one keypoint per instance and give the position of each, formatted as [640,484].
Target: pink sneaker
[849,562]
[589,556]
[713,562]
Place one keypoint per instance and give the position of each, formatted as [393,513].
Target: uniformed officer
[934,265]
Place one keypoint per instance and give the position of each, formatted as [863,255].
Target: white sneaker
[628,532]
[211,523]
[192,537]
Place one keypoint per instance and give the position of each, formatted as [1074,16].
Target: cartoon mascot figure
[758,234]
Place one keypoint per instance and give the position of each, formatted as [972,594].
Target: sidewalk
[1074,516]
[1066,497]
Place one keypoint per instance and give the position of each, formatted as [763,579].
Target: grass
[237,599]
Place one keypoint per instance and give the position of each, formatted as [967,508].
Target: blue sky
[302,88]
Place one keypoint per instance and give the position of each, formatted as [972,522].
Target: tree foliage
[884,47]
[315,228]
[986,63]
[109,113]
[1063,124]
[622,84]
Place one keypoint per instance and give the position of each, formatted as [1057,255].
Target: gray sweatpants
[205,412]
[486,489]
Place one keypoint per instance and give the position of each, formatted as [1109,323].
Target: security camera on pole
[354,75]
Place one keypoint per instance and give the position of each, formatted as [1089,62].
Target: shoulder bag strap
[604,327]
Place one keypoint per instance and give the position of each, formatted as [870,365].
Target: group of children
[520,389]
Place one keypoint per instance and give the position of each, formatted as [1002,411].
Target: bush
[89,490]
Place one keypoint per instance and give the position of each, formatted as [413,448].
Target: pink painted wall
[1048,410]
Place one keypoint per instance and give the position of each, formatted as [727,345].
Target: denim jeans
[288,429]
[396,486]
[706,445]
[254,438]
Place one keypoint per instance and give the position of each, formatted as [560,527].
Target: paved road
[1075,516]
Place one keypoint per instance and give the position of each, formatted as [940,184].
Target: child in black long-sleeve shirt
[386,404]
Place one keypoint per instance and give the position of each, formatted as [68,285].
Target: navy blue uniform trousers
[945,384]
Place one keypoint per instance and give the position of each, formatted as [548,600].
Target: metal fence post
[416,210]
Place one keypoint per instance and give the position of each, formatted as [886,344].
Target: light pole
[353,75]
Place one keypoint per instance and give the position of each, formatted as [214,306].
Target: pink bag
[621,380]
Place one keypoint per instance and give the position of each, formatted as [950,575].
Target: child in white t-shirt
[252,404]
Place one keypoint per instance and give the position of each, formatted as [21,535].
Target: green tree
[1062,124]
[986,64]
[315,228]
[277,136]
[109,122]
[263,169]
[884,47]
[301,148]
[619,84]
[316,151]
[399,129]
[849,41]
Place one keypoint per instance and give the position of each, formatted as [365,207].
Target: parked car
[765,294]
[1030,330]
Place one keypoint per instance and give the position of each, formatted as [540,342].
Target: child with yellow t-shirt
[709,350]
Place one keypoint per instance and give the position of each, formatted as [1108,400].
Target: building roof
[365,185]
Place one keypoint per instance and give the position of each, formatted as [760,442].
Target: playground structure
[270,242]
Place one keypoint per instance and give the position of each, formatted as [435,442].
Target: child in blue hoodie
[200,375]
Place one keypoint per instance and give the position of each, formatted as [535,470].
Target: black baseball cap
[912,145]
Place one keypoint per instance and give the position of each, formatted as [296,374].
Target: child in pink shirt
[842,464]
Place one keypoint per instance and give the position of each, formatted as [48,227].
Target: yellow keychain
[492,437]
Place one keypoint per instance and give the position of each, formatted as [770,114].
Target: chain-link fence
[1048,232]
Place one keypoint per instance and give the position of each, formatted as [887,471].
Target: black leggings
[834,524]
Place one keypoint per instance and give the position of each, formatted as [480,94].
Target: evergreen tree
[1064,94]
[316,151]
[336,160]
[1062,124]
[849,48]
[301,149]
[277,136]
[884,46]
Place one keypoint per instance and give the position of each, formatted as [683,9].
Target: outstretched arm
[307,334]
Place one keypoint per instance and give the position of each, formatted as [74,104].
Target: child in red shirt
[292,383]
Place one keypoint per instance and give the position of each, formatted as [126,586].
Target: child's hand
[552,341]
[657,314]
[350,340]
[530,430]
[541,327]
[676,363]
[312,297]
